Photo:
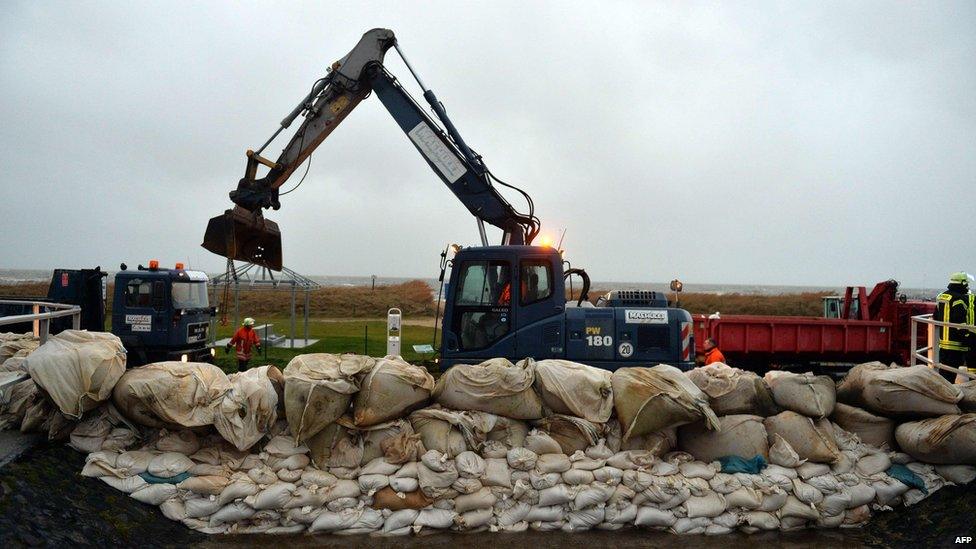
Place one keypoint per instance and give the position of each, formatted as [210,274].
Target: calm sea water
[8,276]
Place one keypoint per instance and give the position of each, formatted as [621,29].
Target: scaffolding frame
[251,276]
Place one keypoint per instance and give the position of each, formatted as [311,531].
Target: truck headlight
[213,352]
[184,358]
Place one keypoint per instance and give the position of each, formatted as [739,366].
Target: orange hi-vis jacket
[244,339]
[714,355]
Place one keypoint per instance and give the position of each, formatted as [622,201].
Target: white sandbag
[557,495]
[581,461]
[949,439]
[794,508]
[154,494]
[275,496]
[540,481]
[125,484]
[183,441]
[513,515]
[249,409]
[479,500]
[806,493]
[872,464]
[580,520]
[88,436]
[871,429]
[899,391]
[495,386]
[438,519]
[697,469]
[811,439]
[807,394]
[827,483]
[134,462]
[545,513]
[773,500]
[686,526]
[632,459]
[810,469]
[652,517]
[576,477]
[400,519]
[553,463]
[430,479]
[521,459]
[390,390]
[202,507]
[78,369]
[319,388]
[370,484]
[575,389]
[294,462]
[207,485]
[957,474]
[835,504]
[361,520]
[782,454]
[173,509]
[608,475]
[761,520]
[284,446]
[648,400]
[380,466]
[573,434]
[470,465]
[497,473]
[262,475]
[466,485]
[169,464]
[473,519]
[318,478]
[887,490]
[171,394]
[541,443]
[710,505]
[744,498]
[738,435]
[590,496]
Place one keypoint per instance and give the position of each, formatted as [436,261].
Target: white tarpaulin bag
[807,394]
[648,400]
[733,391]
[575,389]
[390,390]
[318,389]
[249,410]
[899,390]
[738,435]
[171,394]
[949,440]
[78,369]
[495,386]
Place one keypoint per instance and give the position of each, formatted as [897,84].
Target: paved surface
[14,443]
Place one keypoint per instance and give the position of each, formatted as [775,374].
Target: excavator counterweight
[245,236]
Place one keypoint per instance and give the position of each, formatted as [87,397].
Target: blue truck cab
[510,301]
[162,314]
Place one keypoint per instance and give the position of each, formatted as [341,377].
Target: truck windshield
[190,295]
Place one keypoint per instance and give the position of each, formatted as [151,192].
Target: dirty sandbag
[812,440]
[17,345]
[738,435]
[571,433]
[648,400]
[658,443]
[319,388]
[322,444]
[391,389]
[495,386]
[249,409]
[807,394]
[575,389]
[949,439]
[968,391]
[78,369]
[733,391]
[509,432]
[452,432]
[394,440]
[15,401]
[171,394]
[871,429]
[901,391]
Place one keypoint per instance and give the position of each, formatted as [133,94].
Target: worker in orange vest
[712,354]
[244,339]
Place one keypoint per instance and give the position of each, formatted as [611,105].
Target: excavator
[505,300]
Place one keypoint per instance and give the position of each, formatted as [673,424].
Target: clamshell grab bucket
[245,236]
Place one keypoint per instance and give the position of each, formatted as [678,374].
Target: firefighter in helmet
[955,305]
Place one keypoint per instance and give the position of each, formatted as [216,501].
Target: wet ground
[44,501]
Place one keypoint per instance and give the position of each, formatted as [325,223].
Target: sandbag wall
[350,444]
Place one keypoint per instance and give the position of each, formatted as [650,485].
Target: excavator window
[536,278]
[482,303]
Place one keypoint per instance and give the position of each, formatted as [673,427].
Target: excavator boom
[244,234]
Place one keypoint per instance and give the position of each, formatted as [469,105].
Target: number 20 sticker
[625,349]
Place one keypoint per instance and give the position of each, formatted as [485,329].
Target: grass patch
[334,337]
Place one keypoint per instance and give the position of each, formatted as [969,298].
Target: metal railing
[42,320]
[929,355]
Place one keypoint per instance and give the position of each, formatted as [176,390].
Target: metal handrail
[42,321]
[929,355]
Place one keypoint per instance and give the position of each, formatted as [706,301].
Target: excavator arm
[244,234]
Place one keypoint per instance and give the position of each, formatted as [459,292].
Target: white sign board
[646,316]
[437,152]
[393,320]
[139,323]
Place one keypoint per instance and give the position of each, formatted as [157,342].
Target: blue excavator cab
[511,301]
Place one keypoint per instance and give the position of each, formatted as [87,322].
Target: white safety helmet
[248,321]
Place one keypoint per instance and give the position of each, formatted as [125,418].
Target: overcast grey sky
[809,143]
